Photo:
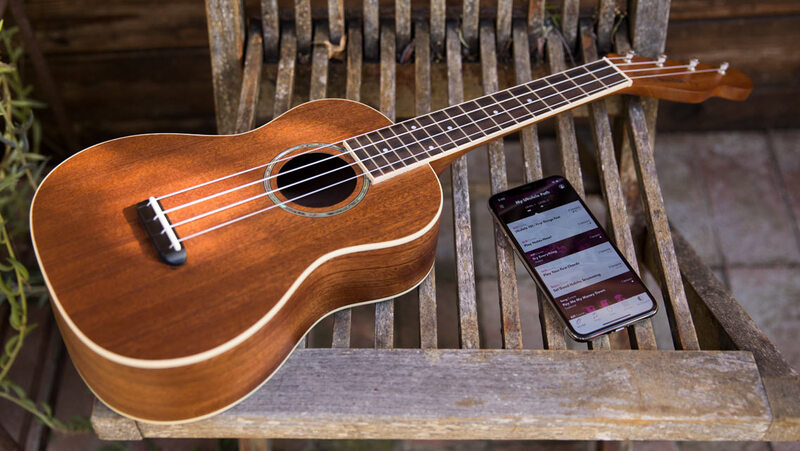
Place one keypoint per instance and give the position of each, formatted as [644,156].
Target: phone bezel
[540,283]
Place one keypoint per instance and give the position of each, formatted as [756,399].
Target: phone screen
[592,286]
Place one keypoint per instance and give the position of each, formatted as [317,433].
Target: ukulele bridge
[160,231]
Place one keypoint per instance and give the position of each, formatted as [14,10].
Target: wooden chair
[726,381]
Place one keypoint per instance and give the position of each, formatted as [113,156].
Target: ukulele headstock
[677,81]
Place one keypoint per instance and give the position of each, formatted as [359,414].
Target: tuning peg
[693,63]
[722,68]
[661,59]
[629,56]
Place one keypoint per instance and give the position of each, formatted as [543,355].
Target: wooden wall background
[125,67]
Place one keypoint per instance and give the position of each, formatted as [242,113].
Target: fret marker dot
[385,150]
[530,100]
[449,127]
[495,112]
[430,147]
[413,127]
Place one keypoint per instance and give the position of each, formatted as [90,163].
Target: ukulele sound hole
[316,180]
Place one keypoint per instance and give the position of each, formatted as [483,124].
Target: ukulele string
[331,185]
[184,190]
[268,192]
[264,179]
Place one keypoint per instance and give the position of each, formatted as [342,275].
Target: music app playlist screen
[589,281]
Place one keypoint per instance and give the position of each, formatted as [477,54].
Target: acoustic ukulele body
[164,343]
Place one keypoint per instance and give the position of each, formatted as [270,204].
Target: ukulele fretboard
[404,145]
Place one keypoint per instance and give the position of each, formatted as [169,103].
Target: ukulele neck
[447,133]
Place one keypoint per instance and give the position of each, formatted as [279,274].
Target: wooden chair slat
[284,81]
[470,15]
[504,8]
[302,24]
[336,20]
[727,400]
[536,14]
[506,274]
[641,335]
[648,30]
[371,29]
[605,24]
[342,320]
[468,333]
[680,318]
[384,311]
[402,23]
[567,142]
[109,425]
[570,10]
[437,26]
[251,80]
[319,64]
[270,27]
[428,336]
[354,64]
[552,329]
[226,35]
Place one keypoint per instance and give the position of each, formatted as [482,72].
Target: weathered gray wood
[336,20]
[437,17]
[468,335]
[428,336]
[402,21]
[384,311]
[342,319]
[371,29]
[302,24]
[270,27]
[251,80]
[567,142]
[226,34]
[284,82]
[536,14]
[649,26]
[641,335]
[570,10]
[552,327]
[605,24]
[503,24]
[319,64]
[354,55]
[109,425]
[506,275]
[680,318]
[498,394]
[470,15]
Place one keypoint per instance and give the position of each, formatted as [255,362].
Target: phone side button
[621,328]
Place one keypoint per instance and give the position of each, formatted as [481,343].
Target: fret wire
[435,123]
[369,158]
[419,129]
[478,129]
[394,138]
[608,69]
[452,129]
[431,145]
[421,139]
[378,149]
[413,139]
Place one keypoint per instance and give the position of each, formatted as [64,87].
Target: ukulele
[184,269]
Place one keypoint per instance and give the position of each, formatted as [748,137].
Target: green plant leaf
[21,269]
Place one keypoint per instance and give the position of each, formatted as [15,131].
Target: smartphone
[592,286]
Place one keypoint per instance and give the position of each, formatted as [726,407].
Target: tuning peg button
[723,68]
[693,63]
[629,56]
